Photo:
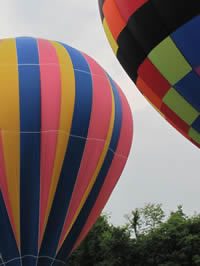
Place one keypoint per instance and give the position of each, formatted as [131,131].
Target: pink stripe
[4,188]
[50,116]
[116,168]
[98,130]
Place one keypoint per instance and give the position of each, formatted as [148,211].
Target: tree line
[149,237]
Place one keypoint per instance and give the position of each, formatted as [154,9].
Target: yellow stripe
[66,115]
[111,40]
[100,163]
[10,124]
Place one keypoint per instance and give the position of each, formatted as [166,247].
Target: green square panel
[169,61]
[194,135]
[180,106]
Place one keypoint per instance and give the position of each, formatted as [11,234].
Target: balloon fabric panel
[8,245]
[98,130]
[82,218]
[117,167]
[50,116]
[30,121]
[66,115]
[10,128]
[61,131]
[159,49]
[74,153]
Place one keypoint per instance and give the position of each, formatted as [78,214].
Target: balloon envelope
[157,43]
[65,135]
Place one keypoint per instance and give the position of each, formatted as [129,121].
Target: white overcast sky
[163,166]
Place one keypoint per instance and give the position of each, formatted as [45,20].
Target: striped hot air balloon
[157,42]
[65,135]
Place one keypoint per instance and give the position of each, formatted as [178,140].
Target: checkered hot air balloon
[65,135]
[157,42]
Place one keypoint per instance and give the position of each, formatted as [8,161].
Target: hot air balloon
[157,43]
[65,135]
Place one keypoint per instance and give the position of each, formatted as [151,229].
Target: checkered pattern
[157,43]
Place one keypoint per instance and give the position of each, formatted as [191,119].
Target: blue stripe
[30,121]
[82,218]
[8,245]
[73,156]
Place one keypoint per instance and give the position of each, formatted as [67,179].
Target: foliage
[158,240]
[145,219]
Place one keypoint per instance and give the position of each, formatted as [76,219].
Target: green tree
[105,245]
[173,242]
[143,220]
[159,241]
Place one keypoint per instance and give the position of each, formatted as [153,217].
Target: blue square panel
[189,88]
[187,39]
[196,124]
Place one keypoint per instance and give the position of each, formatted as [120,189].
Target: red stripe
[98,130]
[128,7]
[116,168]
[50,116]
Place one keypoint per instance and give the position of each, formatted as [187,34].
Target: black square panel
[147,27]
[175,13]
[130,53]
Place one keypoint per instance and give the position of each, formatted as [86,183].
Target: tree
[134,221]
[143,220]
[157,240]
[173,242]
[105,245]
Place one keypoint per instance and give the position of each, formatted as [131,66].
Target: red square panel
[153,78]
[128,7]
[148,93]
[175,120]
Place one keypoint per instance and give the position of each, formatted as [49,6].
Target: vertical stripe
[50,116]
[66,114]
[4,187]
[73,156]
[10,126]
[85,211]
[30,123]
[8,245]
[96,146]
[116,168]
